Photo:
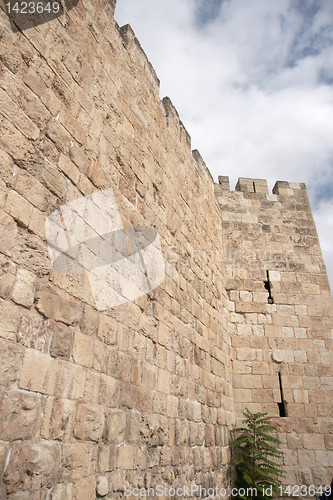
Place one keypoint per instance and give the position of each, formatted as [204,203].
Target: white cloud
[253,86]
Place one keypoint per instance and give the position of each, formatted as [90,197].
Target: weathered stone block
[34,82]
[163,381]
[8,233]
[85,488]
[32,332]
[59,136]
[107,330]
[90,321]
[19,416]
[53,179]
[165,362]
[164,334]
[7,276]
[324,458]
[58,419]
[328,438]
[13,142]
[31,467]
[78,460]
[24,288]
[62,339]
[245,185]
[68,168]
[58,306]
[294,441]
[300,396]
[19,208]
[314,442]
[83,350]
[33,191]
[282,356]
[102,486]
[11,356]
[109,391]
[172,406]
[79,158]
[143,399]
[62,492]
[3,454]
[89,423]
[71,381]
[304,477]
[115,427]
[127,457]
[39,372]
[245,354]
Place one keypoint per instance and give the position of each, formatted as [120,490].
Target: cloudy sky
[252,81]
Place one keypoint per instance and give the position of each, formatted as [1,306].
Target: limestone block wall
[141,393]
[281,319]
[144,393]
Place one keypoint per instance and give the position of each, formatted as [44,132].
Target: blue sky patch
[207,11]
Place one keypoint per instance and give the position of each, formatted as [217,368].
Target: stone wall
[140,393]
[281,338]
[143,393]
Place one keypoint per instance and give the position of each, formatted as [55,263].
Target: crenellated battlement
[249,185]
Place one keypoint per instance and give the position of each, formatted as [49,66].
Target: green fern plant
[254,450]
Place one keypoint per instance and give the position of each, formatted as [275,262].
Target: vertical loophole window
[281,405]
[268,287]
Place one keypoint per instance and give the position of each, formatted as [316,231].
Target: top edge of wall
[201,164]
[131,42]
[112,4]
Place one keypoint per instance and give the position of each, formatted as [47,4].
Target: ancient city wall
[281,334]
[143,393]
[140,393]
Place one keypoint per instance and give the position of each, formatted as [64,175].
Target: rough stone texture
[144,393]
[32,332]
[20,414]
[58,306]
[89,423]
[32,466]
[24,288]
[115,427]
[58,419]
[62,340]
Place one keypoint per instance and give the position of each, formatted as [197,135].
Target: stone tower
[97,401]
[280,318]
